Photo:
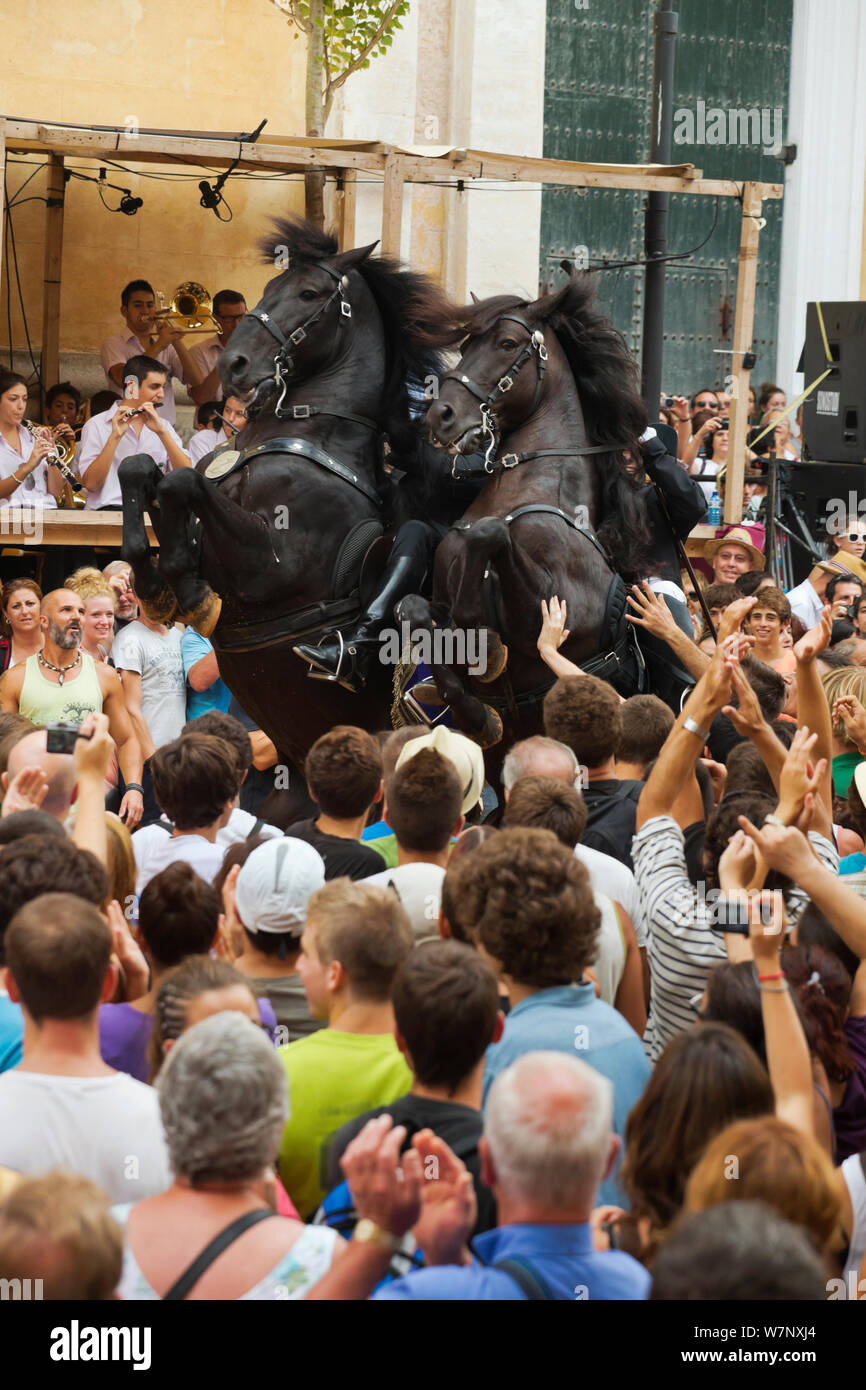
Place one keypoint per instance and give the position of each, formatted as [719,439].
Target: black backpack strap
[525,1277]
[181,1287]
[165,825]
[256,828]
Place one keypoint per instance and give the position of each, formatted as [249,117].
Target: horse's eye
[508,345]
[307,294]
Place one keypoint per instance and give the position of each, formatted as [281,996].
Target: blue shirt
[11,1033]
[217,696]
[852,864]
[563,1256]
[569,1018]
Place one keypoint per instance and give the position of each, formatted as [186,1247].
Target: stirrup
[318,672]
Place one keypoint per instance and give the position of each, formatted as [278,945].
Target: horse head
[501,376]
[301,324]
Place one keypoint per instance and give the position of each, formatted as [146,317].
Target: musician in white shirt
[26,480]
[205,441]
[137,308]
[229,307]
[131,426]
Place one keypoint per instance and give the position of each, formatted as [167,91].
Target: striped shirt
[682,947]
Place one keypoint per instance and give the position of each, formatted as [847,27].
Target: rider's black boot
[350,658]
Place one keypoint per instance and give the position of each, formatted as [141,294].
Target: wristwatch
[368,1233]
[693,727]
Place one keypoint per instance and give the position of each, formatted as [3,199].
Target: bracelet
[693,727]
[769,989]
[18,480]
[135,787]
[778,975]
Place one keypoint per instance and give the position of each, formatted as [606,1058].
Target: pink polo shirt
[204,441]
[121,346]
[206,356]
[94,437]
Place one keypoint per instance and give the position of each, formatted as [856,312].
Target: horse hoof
[497,659]
[162,608]
[205,617]
[491,733]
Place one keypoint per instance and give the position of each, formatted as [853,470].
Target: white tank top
[855,1181]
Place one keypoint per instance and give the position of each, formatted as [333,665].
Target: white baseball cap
[275,884]
[458,749]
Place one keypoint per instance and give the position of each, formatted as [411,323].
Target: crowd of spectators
[423,1038]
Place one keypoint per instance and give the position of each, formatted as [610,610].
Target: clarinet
[54,457]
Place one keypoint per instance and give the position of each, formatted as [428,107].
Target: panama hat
[842,563]
[738,535]
[463,752]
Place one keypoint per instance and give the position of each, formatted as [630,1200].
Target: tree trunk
[314,181]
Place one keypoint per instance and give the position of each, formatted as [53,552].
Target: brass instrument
[190,307]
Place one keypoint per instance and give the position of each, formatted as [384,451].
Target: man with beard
[62,685]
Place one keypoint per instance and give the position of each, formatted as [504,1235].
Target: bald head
[59,769]
[62,615]
[539,757]
[549,1131]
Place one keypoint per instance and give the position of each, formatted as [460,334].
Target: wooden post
[346,210]
[392,205]
[51,274]
[2,193]
[744,319]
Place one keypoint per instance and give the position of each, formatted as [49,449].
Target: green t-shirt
[333,1077]
[843,770]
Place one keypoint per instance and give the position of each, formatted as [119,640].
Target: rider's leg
[351,658]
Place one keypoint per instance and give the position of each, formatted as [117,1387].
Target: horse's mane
[418,319]
[605,374]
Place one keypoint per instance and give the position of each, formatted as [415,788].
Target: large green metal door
[731,57]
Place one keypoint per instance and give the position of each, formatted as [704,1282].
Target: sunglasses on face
[855,536]
[707,405]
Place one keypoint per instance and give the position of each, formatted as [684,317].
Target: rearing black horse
[286,515]
[549,389]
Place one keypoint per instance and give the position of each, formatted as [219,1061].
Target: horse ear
[540,310]
[345,261]
[474,297]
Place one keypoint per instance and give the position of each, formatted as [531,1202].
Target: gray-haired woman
[223,1100]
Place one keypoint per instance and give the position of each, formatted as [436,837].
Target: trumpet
[190,307]
[61,455]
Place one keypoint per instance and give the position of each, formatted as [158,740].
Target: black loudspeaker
[834,417]
[824,492]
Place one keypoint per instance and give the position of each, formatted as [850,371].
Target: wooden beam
[744,319]
[51,275]
[47,526]
[392,205]
[346,200]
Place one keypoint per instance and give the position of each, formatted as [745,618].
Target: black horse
[549,389]
[262,544]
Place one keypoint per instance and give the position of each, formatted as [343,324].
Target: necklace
[61,670]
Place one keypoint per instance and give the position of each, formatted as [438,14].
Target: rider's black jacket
[686,504]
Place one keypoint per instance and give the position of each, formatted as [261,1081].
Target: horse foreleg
[139,479]
[183,494]
[480,542]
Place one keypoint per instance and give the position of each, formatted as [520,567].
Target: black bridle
[283,361]
[535,345]
[489,423]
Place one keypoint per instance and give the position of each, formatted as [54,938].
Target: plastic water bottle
[714,512]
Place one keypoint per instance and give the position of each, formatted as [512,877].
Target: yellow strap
[809,389]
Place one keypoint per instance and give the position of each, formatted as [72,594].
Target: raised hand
[553,630]
[783,847]
[816,639]
[733,616]
[650,610]
[747,717]
[851,713]
[26,792]
[449,1208]
[384,1191]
